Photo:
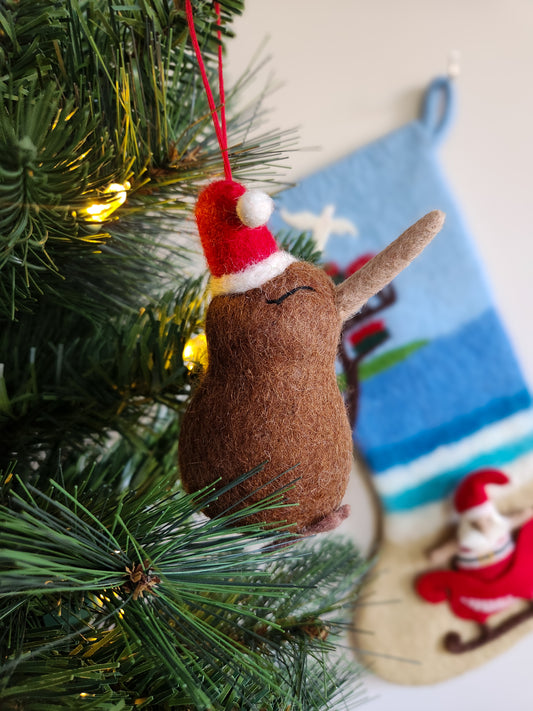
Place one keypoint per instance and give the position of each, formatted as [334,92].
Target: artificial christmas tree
[116,593]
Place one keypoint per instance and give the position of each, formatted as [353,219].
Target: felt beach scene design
[431,384]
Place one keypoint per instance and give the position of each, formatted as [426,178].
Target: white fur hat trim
[487,508]
[253,276]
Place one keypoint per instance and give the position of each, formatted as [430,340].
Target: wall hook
[454,63]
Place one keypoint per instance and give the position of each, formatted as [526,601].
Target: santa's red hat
[240,250]
[471,499]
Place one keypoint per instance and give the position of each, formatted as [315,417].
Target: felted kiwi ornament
[269,393]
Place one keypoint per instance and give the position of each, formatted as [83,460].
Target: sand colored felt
[402,637]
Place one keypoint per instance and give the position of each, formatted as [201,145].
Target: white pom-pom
[254,208]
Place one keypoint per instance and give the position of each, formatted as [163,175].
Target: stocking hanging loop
[438,108]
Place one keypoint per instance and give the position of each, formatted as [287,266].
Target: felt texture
[253,276]
[401,637]
[441,395]
[478,594]
[374,275]
[471,497]
[254,208]
[446,371]
[483,580]
[270,394]
[229,245]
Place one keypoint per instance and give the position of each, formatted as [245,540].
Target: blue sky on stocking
[459,401]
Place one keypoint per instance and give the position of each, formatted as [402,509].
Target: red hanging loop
[221,79]
[220,125]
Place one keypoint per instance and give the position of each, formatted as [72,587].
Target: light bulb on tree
[101,211]
[195,352]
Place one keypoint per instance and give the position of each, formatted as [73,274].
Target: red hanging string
[220,125]
[221,79]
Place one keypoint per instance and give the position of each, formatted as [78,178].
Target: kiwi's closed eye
[289,293]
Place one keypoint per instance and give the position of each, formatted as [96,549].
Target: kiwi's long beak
[355,291]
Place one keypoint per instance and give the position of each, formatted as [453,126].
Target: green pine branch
[301,245]
[115,591]
[96,94]
[66,381]
[106,590]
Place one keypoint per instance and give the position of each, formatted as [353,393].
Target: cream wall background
[352,70]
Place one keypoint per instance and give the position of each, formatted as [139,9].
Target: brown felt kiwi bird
[270,391]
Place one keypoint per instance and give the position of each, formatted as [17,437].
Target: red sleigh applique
[474,598]
[477,594]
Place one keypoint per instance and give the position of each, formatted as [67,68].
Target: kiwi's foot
[328,523]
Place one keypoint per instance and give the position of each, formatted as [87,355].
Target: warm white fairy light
[101,211]
[195,352]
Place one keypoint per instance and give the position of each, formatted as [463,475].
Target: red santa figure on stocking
[491,558]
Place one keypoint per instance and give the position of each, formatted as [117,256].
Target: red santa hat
[240,250]
[471,499]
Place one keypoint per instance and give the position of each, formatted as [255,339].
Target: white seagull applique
[321,226]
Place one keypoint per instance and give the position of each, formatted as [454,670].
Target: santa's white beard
[478,540]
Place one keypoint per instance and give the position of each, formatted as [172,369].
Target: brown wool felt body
[270,391]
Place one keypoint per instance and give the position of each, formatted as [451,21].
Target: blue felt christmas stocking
[432,386]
